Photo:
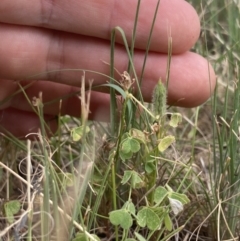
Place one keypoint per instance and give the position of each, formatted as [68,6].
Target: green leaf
[78,132]
[149,167]
[136,179]
[129,206]
[135,146]
[80,237]
[126,146]
[117,88]
[133,176]
[169,188]
[147,217]
[180,197]
[165,143]
[11,208]
[129,145]
[121,217]
[138,135]
[168,222]
[125,156]
[126,177]
[160,194]
[139,237]
[176,118]
[130,239]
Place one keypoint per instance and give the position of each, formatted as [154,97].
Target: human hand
[40,36]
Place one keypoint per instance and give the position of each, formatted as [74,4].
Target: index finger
[175,18]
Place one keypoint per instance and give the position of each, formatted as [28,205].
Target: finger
[7,89]
[20,123]
[25,56]
[175,18]
[58,100]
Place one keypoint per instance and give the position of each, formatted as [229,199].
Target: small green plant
[136,153]
[133,167]
[11,208]
[165,201]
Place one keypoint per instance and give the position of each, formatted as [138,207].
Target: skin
[39,36]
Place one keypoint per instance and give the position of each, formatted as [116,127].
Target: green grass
[128,180]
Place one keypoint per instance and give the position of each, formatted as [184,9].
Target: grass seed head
[159,99]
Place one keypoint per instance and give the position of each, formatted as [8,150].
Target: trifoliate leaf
[129,206]
[133,177]
[147,217]
[130,145]
[138,135]
[121,217]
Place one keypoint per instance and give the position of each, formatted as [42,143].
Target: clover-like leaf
[150,165]
[77,132]
[136,179]
[133,177]
[11,208]
[126,146]
[121,217]
[135,146]
[160,194]
[125,156]
[126,177]
[147,217]
[138,135]
[129,206]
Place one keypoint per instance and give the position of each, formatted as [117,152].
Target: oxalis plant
[134,160]
[136,196]
[142,146]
